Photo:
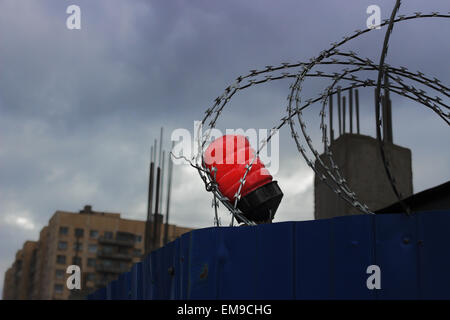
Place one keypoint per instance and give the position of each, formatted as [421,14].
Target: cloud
[80,109]
[21,222]
[17,217]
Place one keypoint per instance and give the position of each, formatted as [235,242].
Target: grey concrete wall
[359,160]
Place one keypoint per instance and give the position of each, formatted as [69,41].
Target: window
[123,265]
[92,248]
[77,246]
[91,262]
[79,232]
[62,245]
[63,231]
[90,277]
[125,236]
[93,234]
[138,238]
[104,278]
[123,250]
[59,288]
[107,263]
[77,261]
[137,252]
[107,249]
[108,235]
[60,259]
[59,274]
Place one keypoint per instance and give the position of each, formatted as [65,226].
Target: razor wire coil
[328,174]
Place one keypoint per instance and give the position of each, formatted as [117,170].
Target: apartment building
[102,244]
[19,279]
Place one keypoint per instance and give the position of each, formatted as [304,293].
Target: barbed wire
[329,174]
[381,72]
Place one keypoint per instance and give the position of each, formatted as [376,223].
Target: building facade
[102,244]
[19,279]
[359,160]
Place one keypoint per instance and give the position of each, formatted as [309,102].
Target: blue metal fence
[321,259]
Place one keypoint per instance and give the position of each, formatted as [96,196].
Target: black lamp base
[261,204]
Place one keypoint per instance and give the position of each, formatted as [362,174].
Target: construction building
[359,160]
[360,163]
[102,244]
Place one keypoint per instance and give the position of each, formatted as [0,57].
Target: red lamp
[260,196]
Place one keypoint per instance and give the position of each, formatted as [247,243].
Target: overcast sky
[79,109]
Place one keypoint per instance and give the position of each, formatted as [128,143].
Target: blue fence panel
[322,259]
[176,272]
[434,260]
[147,278]
[136,285]
[121,287]
[100,294]
[128,286]
[109,294]
[396,255]
[157,275]
[313,260]
[202,263]
[167,271]
[275,271]
[184,264]
[113,290]
[236,257]
[352,252]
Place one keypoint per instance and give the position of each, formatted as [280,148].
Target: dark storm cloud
[79,109]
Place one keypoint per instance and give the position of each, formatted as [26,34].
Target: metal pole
[331,119]
[377,114]
[169,187]
[384,111]
[389,114]
[343,114]
[160,146]
[350,106]
[156,222]
[161,192]
[155,217]
[162,183]
[388,111]
[357,110]
[154,151]
[148,237]
[151,154]
[339,109]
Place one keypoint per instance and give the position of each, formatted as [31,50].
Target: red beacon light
[260,196]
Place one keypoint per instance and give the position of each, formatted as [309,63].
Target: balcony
[102,283]
[117,242]
[100,267]
[114,255]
